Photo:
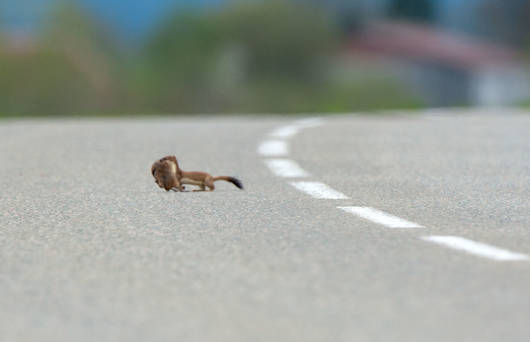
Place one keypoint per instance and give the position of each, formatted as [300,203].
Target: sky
[137,18]
[134,19]
[128,18]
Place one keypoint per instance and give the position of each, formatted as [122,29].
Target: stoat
[168,175]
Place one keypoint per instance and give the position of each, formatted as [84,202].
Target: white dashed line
[278,147]
[273,148]
[285,132]
[476,248]
[286,168]
[380,217]
[318,190]
[309,122]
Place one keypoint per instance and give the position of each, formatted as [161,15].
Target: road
[92,250]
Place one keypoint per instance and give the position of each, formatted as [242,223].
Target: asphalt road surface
[403,227]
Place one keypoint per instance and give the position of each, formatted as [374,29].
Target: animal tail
[232,180]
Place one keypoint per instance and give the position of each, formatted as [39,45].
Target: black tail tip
[236,182]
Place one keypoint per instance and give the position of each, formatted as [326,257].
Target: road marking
[318,190]
[309,122]
[286,168]
[278,147]
[273,148]
[290,130]
[380,217]
[285,132]
[476,248]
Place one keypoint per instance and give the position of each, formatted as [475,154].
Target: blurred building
[446,69]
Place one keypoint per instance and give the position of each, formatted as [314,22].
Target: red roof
[424,43]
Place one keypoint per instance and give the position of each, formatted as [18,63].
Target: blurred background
[114,57]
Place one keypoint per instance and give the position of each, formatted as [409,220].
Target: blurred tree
[283,39]
[262,42]
[72,31]
[185,46]
[43,82]
[179,60]
[68,69]
[506,21]
[255,56]
[416,10]
[350,20]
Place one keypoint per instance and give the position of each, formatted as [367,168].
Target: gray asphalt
[92,250]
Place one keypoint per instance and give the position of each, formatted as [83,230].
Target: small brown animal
[165,173]
[168,175]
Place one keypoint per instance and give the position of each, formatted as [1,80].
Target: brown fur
[168,175]
[165,173]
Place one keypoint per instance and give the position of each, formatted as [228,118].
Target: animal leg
[209,184]
[201,188]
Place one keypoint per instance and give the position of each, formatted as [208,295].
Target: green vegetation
[272,56]
[525,104]
[418,10]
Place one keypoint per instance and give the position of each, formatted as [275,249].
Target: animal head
[172,159]
[165,172]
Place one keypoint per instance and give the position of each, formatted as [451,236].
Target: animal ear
[153,170]
[170,158]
